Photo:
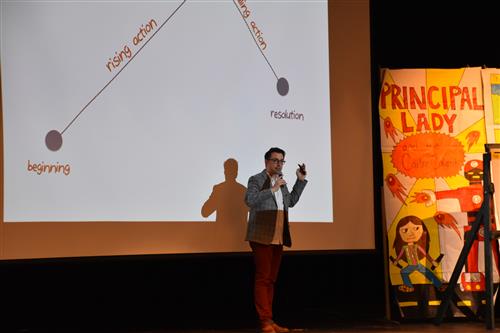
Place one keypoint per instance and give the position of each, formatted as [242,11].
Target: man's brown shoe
[267,328]
[279,329]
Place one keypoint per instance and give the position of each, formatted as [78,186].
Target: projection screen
[133,127]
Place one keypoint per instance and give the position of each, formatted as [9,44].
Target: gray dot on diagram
[282,86]
[53,140]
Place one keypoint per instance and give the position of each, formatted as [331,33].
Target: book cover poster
[432,139]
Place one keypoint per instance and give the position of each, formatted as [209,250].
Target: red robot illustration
[470,199]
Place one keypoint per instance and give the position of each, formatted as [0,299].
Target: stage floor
[358,327]
[381,327]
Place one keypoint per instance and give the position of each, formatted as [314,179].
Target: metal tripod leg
[488,269]
[458,268]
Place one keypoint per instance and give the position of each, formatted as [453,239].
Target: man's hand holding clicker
[301,172]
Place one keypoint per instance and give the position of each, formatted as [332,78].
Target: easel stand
[483,218]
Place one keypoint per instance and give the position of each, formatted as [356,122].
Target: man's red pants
[267,260]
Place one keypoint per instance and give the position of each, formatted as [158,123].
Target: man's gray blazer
[263,208]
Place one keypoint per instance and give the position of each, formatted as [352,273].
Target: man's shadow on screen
[228,201]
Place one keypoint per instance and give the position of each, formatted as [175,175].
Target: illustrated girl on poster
[411,245]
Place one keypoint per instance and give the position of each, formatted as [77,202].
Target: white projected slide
[127,110]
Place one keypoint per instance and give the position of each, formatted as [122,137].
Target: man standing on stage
[269,199]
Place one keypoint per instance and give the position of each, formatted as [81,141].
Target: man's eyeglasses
[275,160]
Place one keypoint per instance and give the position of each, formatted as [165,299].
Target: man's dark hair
[274,150]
